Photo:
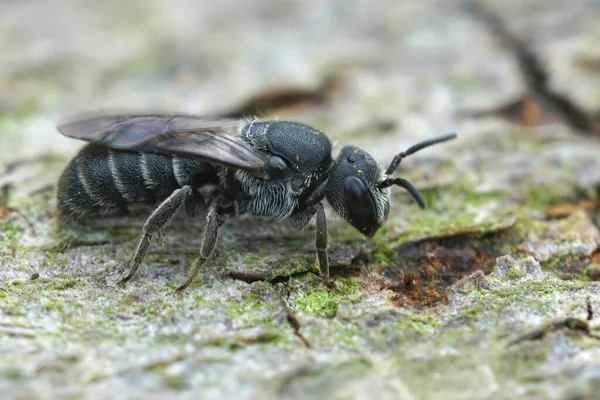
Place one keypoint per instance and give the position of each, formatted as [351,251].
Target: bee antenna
[413,149]
[403,183]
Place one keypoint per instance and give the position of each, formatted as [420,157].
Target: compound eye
[361,207]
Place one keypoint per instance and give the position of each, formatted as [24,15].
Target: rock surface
[439,305]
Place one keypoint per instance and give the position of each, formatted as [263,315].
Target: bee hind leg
[157,221]
[209,240]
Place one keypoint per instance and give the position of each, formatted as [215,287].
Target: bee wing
[207,139]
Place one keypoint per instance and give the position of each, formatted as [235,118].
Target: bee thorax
[265,198]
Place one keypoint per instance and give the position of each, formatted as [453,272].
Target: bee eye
[361,207]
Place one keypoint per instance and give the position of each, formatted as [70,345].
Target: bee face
[353,191]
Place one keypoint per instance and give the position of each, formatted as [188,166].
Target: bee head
[353,192]
[359,191]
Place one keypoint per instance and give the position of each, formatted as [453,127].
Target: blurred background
[400,68]
[381,76]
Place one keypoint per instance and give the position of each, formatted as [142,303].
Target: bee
[220,168]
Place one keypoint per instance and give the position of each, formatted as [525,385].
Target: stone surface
[429,308]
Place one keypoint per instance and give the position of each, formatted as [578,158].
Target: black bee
[220,168]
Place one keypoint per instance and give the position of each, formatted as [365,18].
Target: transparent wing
[207,139]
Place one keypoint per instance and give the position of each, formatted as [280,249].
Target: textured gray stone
[430,308]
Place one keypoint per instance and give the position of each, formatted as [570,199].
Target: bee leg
[211,231]
[157,221]
[195,205]
[321,242]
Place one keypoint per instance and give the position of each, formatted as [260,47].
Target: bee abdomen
[87,184]
[73,198]
[190,171]
[100,178]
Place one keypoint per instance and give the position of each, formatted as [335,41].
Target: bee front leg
[157,221]
[321,242]
[209,240]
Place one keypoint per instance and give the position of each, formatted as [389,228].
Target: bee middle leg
[321,242]
[157,221]
[301,220]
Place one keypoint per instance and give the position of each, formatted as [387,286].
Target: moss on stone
[63,283]
[592,272]
[287,271]
[11,243]
[515,273]
[323,302]
[540,197]
[410,326]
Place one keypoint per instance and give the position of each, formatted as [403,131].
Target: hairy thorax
[263,198]
[266,198]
